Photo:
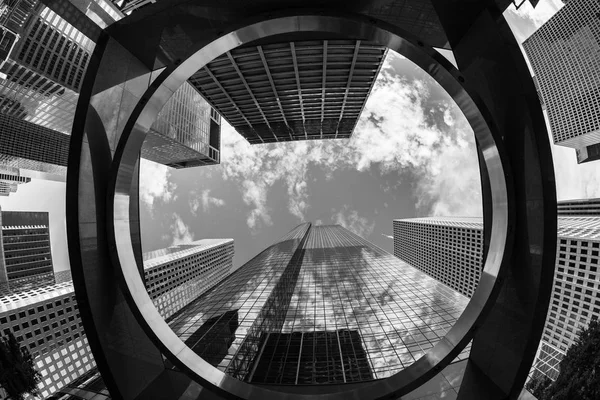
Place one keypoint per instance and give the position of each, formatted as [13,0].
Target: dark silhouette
[18,375]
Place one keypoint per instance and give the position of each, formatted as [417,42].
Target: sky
[411,154]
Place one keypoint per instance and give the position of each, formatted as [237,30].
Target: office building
[177,275]
[565,56]
[10,178]
[25,245]
[41,76]
[274,92]
[46,321]
[450,249]
[42,312]
[30,146]
[320,306]
[187,132]
[576,207]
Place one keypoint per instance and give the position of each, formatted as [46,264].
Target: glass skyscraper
[42,62]
[320,306]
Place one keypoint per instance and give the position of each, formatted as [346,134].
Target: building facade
[177,275]
[10,178]
[187,132]
[574,208]
[275,92]
[320,306]
[42,310]
[565,56]
[575,290]
[26,255]
[41,73]
[45,319]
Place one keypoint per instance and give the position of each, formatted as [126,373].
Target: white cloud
[448,118]
[154,183]
[350,220]
[574,181]
[256,197]
[387,236]
[527,19]
[257,168]
[204,200]
[180,232]
[396,133]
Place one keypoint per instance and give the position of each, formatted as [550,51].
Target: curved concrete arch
[105,229]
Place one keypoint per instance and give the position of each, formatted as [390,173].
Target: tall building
[274,92]
[448,249]
[177,275]
[44,317]
[41,72]
[320,306]
[10,178]
[46,321]
[565,56]
[575,207]
[26,255]
[423,243]
[187,132]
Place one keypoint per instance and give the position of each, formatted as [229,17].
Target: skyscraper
[44,316]
[177,275]
[574,208]
[320,306]
[10,178]
[41,73]
[565,56]
[450,249]
[26,255]
[45,319]
[187,132]
[275,92]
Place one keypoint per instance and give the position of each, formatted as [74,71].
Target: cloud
[154,183]
[204,200]
[350,220]
[527,19]
[448,118]
[402,129]
[256,196]
[387,236]
[180,232]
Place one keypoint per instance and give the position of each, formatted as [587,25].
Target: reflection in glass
[324,306]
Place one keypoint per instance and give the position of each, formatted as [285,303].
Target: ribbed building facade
[565,56]
[44,317]
[574,208]
[448,249]
[576,287]
[41,72]
[10,178]
[320,306]
[177,275]
[45,320]
[277,92]
[187,132]
[25,254]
